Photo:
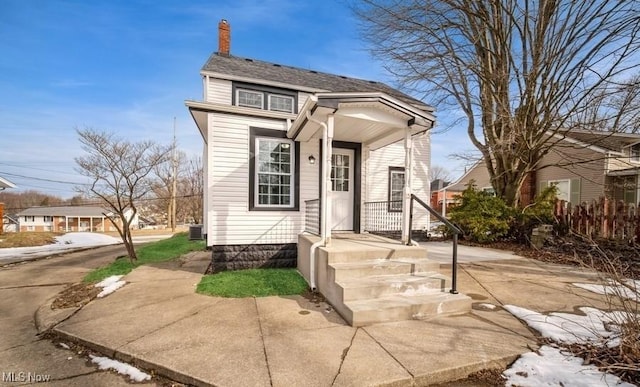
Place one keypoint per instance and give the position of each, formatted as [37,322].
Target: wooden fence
[604,218]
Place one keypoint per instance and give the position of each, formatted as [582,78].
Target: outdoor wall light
[312,160]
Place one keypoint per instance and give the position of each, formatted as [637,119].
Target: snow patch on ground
[488,306]
[104,363]
[551,367]
[86,239]
[69,241]
[110,285]
[572,328]
[630,291]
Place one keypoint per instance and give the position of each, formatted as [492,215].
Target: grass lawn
[27,239]
[160,251]
[253,283]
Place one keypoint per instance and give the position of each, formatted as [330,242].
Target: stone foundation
[237,257]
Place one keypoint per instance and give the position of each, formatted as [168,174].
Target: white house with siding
[262,126]
[294,158]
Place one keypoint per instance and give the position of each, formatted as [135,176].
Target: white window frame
[29,218]
[634,158]
[258,93]
[490,190]
[568,193]
[47,218]
[257,172]
[290,98]
[393,205]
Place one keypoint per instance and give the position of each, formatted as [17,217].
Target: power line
[36,169]
[96,202]
[42,179]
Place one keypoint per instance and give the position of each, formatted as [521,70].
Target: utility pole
[174,183]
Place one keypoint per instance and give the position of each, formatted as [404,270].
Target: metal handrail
[451,226]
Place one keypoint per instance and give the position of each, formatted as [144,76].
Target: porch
[370,279]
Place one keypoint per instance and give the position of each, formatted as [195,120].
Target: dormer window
[281,103]
[248,98]
[634,153]
[265,98]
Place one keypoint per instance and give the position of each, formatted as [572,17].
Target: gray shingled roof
[83,211]
[606,140]
[252,68]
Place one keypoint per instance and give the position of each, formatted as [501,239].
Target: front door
[342,187]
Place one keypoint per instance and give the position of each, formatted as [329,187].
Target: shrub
[537,213]
[481,216]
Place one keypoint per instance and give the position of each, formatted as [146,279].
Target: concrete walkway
[159,323]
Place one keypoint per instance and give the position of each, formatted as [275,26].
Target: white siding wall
[229,219]
[37,221]
[377,166]
[302,98]
[219,91]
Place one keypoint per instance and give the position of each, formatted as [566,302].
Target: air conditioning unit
[195,232]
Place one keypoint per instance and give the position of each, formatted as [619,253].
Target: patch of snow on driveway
[110,285]
[570,328]
[104,363]
[630,289]
[66,242]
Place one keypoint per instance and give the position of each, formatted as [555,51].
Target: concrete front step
[406,307]
[383,285]
[376,267]
[364,252]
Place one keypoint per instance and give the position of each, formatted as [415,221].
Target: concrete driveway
[442,252]
[23,288]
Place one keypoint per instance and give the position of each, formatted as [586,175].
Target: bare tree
[191,190]
[163,186]
[439,172]
[521,71]
[120,173]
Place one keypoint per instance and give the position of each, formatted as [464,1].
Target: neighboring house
[9,223]
[440,195]
[265,125]
[583,165]
[69,218]
[4,184]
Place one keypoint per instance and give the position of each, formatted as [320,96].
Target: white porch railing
[383,217]
[312,216]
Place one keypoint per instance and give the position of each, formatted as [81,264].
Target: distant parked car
[436,230]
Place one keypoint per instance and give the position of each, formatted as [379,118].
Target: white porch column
[444,203]
[328,152]
[66,223]
[408,171]
[91,224]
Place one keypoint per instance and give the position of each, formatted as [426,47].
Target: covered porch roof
[624,172]
[373,119]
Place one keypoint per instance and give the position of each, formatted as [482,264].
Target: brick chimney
[224,37]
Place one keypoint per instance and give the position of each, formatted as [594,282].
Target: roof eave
[259,81]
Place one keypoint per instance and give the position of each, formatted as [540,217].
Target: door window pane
[340,173]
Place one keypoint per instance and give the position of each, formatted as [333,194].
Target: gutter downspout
[323,208]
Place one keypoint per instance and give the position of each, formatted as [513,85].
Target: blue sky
[128,66]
